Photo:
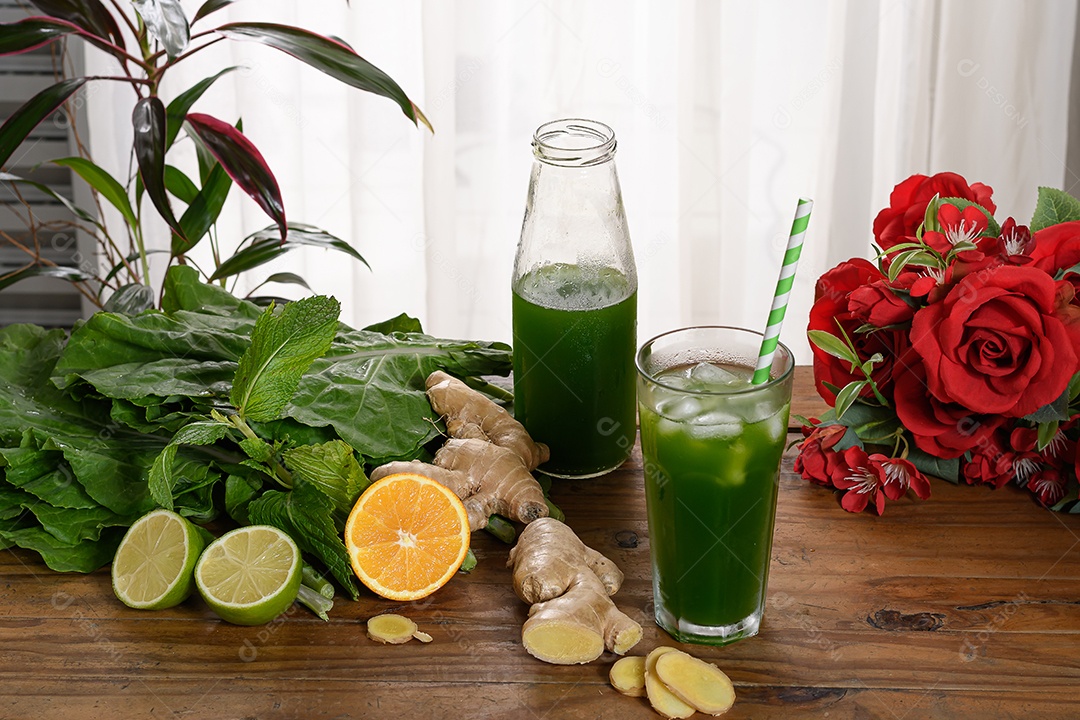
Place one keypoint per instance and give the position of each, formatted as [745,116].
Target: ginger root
[627,675]
[572,619]
[394,629]
[488,462]
[695,682]
[470,414]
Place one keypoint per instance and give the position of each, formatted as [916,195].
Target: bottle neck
[574,143]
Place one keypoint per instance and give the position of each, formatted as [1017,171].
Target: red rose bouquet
[956,355]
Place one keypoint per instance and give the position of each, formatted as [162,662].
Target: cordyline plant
[164,37]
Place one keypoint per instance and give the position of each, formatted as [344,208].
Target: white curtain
[725,114]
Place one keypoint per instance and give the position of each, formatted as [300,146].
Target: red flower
[1057,247]
[943,429]
[900,476]
[831,311]
[1016,243]
[1048,485]
[957,226]
[863,480]
[995,344]
[907,204]
[816,453]
[992,463]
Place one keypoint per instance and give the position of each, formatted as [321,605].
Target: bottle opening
[574,143]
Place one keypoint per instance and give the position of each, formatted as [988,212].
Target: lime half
[152,567]
[251,575]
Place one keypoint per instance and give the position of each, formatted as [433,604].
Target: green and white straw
[783,291]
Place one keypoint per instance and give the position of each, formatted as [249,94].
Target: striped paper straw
[783,291]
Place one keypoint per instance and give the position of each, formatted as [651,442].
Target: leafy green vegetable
[333,469]
[304,513]
[162,480]
[283,346]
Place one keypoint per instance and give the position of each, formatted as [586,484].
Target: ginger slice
[392,629]
[662,699]
[572,619]
[696,682]
[627,675]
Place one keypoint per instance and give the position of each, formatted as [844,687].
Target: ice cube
[775,426]
[680,408]
[708,376]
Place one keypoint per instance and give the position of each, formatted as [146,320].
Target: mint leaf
[1053,208]
[332,468]
[304,513]
[283,346]
[257,449]
[162,481]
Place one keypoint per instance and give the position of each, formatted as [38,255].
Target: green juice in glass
[574,343]
[711,471]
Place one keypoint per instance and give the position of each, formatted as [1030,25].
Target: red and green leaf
[265,247]
[90,15]
[148,119]
[332,57]
[244,164]
[29,34]
[23,121]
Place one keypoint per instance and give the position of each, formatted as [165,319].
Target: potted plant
[159,37]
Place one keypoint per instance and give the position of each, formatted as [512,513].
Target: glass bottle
[575,304]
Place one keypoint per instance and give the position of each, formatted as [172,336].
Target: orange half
[407,535]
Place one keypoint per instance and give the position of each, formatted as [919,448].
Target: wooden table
[963,606]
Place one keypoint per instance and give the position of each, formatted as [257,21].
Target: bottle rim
[574,142]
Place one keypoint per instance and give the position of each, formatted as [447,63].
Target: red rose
[942,429]
[879,305]
[831,311]
[1057,247]
[995,344]
[907,204]
[816,453]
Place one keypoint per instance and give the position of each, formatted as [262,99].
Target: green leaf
[287,278]
[148,120]
[75,209]
[162,481]
[244,163]
[240,490]
[1074,387]
[948,470]
[180,185]
[847,396]
[401,323]
[210,6]
[283,346]
[848,439]
[166,22]
[181,104]
[104,183]
[1047,431]
[257,449]
[333,469]
[1053,208]
[368,376]
[336,59]
[930,222]
[130,299]
[266,246]
[912,257]
[30,114]
[879,432]
[203,211]
[304,513]
[832,345]
[86,556]
[63,273]
[28,34]
[961,204]
[1056,410]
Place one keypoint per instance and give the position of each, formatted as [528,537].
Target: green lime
[251,575]
[152,567]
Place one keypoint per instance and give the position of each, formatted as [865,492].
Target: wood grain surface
[966,605]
